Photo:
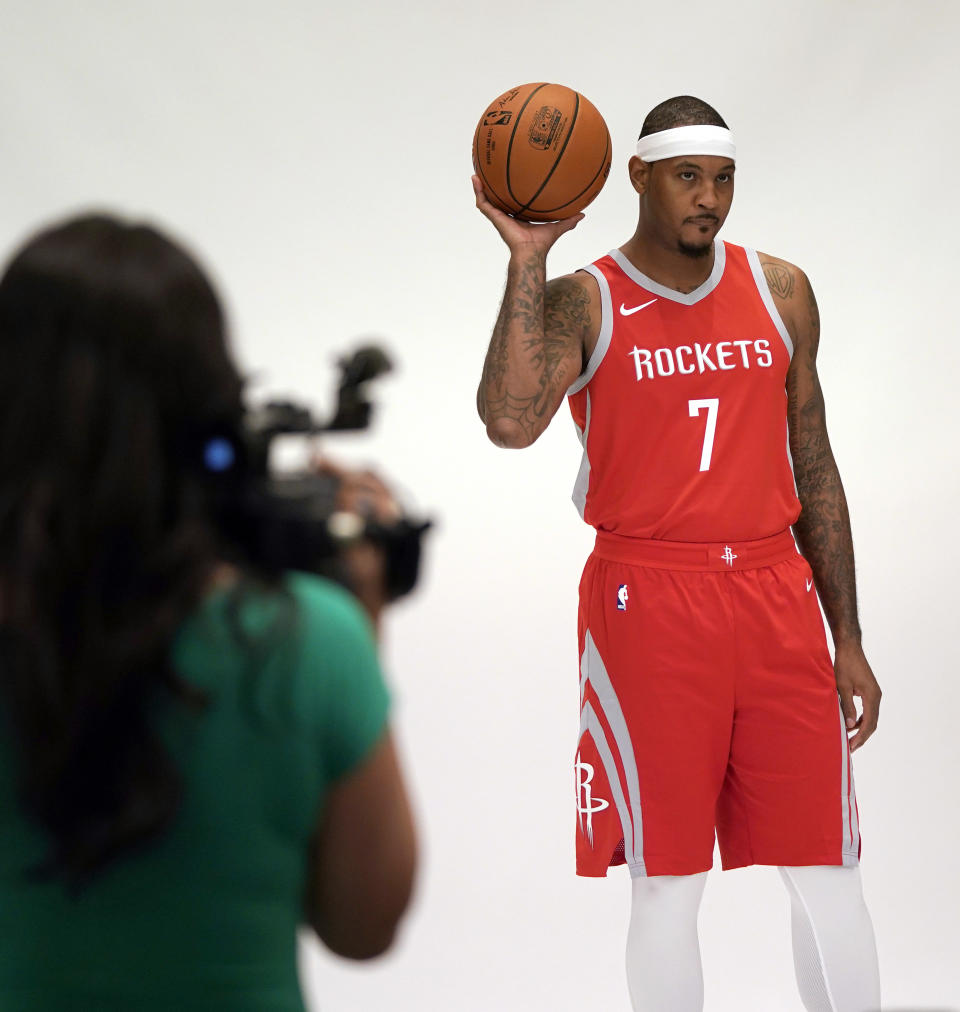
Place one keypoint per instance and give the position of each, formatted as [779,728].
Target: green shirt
[206,918]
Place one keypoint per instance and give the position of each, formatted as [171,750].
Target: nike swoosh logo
[809,585]
[636,309]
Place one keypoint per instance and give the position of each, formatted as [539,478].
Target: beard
[694,251]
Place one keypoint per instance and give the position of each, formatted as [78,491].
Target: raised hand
[522,235]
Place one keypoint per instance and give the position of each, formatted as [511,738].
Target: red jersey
[682,409]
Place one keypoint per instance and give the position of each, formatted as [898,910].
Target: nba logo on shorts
[622,597]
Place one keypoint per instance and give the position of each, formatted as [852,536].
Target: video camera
[291,520]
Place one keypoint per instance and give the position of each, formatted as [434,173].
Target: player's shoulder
[792,293]
[575,288]
[575,298]
[787,283]
[578,279]
[573,312]
[783,277]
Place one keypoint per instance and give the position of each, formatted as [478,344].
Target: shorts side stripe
[851,830]
[594,671]
[844,779]
[854,817]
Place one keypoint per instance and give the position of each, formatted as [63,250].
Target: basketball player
[709,702]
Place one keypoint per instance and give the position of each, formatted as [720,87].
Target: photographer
[194,748]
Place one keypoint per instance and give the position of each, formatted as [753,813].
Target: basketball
[542,152]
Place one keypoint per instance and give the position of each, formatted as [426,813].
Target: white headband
[687,140]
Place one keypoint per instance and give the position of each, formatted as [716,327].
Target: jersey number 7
[711,405]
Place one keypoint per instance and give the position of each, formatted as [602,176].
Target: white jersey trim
[684,298]
[793,474]
[764,289]
[606,331]
[582,485]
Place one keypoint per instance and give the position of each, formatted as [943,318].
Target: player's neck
[666,264]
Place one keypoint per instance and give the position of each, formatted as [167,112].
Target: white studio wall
[317,156]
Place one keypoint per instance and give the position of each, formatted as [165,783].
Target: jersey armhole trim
[606,331]
[765,294]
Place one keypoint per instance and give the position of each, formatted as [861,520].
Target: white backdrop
[318,157]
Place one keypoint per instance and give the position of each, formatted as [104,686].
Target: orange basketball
[542,152]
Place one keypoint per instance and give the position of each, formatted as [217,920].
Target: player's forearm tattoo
[529,361]
[823,528]
[523,304]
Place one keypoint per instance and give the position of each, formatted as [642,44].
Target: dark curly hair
[683,110]
[114,353]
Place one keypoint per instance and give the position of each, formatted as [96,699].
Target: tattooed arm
[542,336]
[535,353]
[823,527]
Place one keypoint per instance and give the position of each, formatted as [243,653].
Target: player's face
[688,199]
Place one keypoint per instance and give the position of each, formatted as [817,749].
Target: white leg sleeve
[834,950]
[663,951]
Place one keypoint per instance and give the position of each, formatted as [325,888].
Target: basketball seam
[513,134]
[573,123]
[603,162]
[486,183]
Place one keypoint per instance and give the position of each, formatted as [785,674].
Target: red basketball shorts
[708,705]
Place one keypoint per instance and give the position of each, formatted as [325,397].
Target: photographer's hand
[364,494]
